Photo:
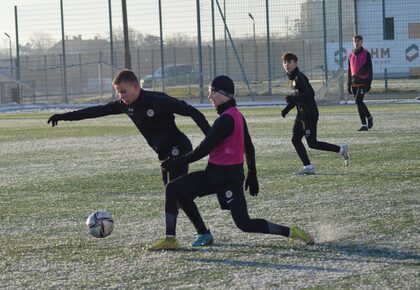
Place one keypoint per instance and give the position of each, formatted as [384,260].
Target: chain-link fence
[70,51]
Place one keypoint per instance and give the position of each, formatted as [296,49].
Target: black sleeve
[369,68]
[111,108]
[288,107]
[249,150]
[182,108]
[305,90]
[222,128]
[349,75]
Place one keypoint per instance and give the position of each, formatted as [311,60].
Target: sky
[90,18]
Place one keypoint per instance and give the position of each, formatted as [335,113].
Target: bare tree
[40,41]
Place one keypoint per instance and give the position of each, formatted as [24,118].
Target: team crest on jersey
[150,113]
[175,151]
[130,112]
[229,194]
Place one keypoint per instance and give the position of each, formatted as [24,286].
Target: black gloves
[367,88]
[283,113]
[171,164]
[289,98]
[349,90]
[251,181]
[54,119]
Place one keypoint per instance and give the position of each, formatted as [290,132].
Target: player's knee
[359,101]
[172,189]
[296,140]
[312,143]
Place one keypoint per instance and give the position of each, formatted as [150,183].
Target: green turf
[365,217]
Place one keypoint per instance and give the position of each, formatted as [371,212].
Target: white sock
[341,150]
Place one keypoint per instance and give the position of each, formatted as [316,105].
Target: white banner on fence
[393,55]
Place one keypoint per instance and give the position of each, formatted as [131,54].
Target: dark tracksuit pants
[231,196]
[308,129]
[359,94]
[183,146]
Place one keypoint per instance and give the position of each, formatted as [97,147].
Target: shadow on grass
[333,252]
[366,253]
[267,265]
[365,174]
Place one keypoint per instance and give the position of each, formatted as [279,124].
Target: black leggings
[359,94]
[186,188]
[308,129]
[183,146]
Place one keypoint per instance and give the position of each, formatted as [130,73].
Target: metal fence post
[200,53]
[138,64]
[267,15]
[45,77]
[127,55]
[80,73]
[213,29]
[340,45]
[162,61]
[17,50]
[324,24]
[63,47]
[111,43]
[100,73]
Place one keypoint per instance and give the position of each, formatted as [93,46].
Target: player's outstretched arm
[111,108]
[54,119]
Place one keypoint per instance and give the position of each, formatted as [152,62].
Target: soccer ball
[100,224]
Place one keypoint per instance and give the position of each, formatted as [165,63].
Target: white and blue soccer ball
[100,224]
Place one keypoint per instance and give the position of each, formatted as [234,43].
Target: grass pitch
[365,217]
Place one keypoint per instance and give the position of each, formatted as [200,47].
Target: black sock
[170,220]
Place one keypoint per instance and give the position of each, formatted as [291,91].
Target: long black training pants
[308,129]
[180,147]
[359,94]
[185,189]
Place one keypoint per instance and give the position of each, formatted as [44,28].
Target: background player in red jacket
[360,79]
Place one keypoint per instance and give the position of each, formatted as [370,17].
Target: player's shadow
[367,174]
[324,252]
[369,254]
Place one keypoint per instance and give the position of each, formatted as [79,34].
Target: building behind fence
[66,53]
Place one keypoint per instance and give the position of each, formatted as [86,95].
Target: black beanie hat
[224,85]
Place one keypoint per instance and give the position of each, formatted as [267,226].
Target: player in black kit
[228,144]
[152,113]
[303,98]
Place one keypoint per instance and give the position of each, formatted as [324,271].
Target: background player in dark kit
[152,113]
[226,143]
[303,98]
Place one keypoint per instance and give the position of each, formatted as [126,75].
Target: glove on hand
[252,182]
[349,90]
[54,119]
[289,98]
[171,164]
[283,113]
[367,88]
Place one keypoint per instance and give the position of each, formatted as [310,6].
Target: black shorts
[305,127]
[229,193]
